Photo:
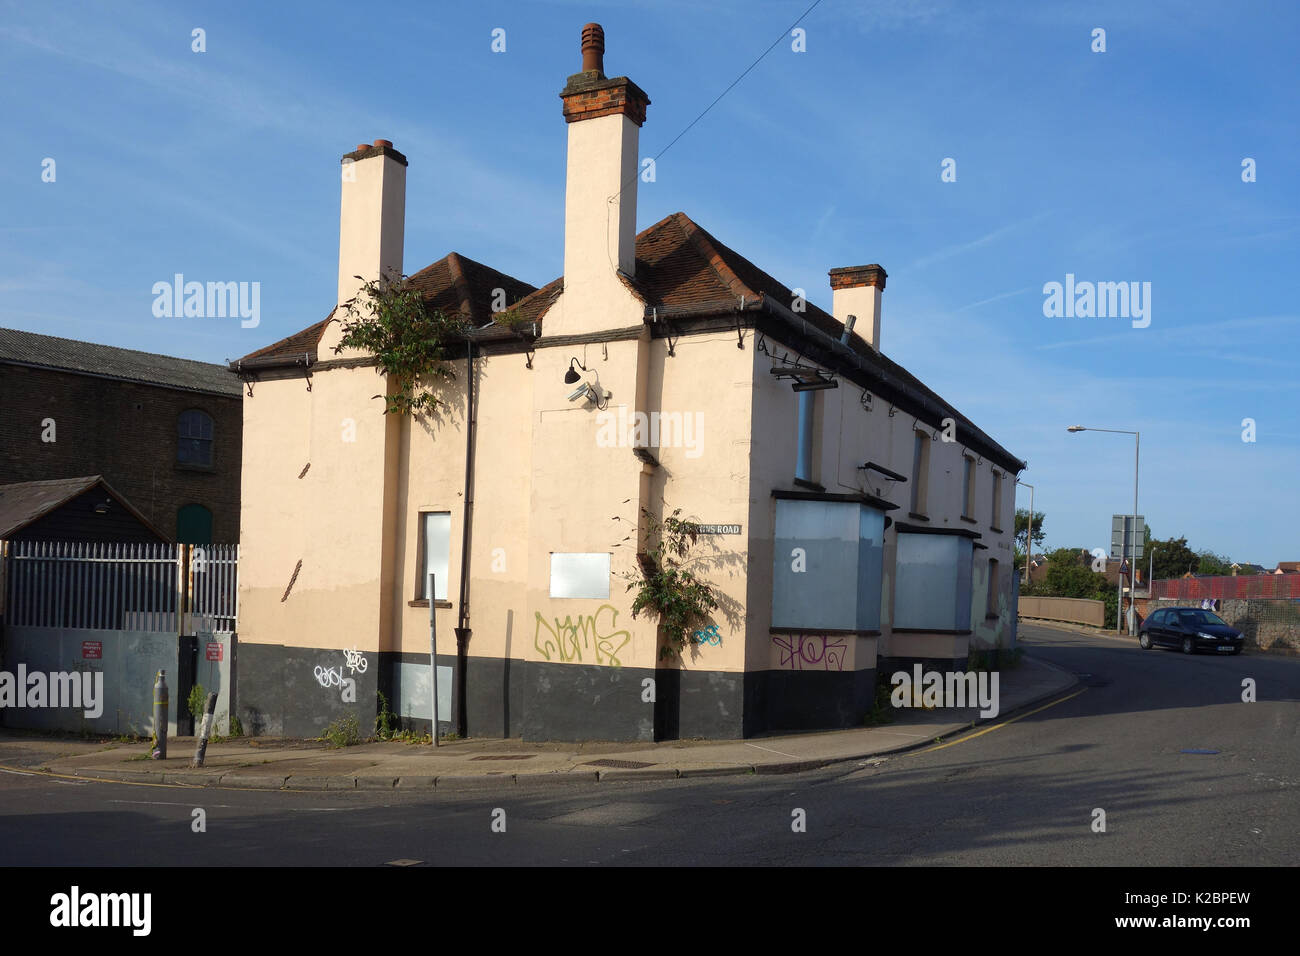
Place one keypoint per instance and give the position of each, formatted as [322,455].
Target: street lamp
[1029,537]
[1137,442]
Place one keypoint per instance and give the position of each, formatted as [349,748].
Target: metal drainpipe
[803,463]
[463,631]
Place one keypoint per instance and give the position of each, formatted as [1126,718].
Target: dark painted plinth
[778,701]
[279,694]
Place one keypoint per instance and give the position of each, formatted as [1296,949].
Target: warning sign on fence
[92,650]
[214,651]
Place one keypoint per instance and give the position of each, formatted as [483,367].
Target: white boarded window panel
[437,553]
[580,575]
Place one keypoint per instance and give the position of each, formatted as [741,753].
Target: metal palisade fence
[174,588]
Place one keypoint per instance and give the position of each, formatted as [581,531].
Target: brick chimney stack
[855,290]
[604,118]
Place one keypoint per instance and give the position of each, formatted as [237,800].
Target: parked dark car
[1190,629]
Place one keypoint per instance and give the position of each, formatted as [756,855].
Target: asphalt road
[1021,793]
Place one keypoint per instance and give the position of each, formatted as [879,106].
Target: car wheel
[1188,647]
[1144,641]
[1236,650]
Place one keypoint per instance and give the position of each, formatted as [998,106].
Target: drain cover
[504,757]
[1198,750]
[619,764]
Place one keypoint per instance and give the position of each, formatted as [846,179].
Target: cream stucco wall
[849,436]
[332,518]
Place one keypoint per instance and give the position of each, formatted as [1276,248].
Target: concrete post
[201,750]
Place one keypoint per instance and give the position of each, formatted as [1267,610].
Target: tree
[1172,559]
[1022,529]
[1211,563]
[1069,574]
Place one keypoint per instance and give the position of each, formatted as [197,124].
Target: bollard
[160,717]
[202,749]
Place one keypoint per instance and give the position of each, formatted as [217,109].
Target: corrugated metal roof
[88,358]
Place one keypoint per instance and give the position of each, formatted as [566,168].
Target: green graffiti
[569,639]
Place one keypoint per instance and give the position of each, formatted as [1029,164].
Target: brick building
[165,433]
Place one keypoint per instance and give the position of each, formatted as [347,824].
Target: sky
[1122,165]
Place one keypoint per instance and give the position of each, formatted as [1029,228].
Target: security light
[571,376]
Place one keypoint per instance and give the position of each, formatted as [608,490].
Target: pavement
[268,763]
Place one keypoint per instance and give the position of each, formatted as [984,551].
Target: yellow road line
[979,733]
[133,783]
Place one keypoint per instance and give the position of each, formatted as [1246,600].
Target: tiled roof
[48,351]
[455,284]
[23,502]
[680,267]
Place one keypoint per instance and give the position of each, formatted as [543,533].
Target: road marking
[20,773]
[980,733]
[769,750]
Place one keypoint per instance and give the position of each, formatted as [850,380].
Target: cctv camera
[579,392]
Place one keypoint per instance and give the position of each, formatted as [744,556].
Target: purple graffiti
[811,651]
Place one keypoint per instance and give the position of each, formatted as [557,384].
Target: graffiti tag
[567,640]
[811,651]
[709,635]
[356,663]
[329,676]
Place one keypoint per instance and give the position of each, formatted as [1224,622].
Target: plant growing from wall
[197,702]
[667,587]
[389,318]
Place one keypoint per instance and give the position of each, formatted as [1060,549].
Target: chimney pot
[362,147]
[593,49]
[384,142]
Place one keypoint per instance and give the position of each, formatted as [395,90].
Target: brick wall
[127,432]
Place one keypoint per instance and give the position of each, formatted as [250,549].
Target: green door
[194,525]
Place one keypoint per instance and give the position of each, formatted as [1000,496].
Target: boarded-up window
[580,575]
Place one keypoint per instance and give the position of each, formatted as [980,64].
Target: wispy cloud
[987,239]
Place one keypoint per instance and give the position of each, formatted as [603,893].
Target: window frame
[968,488]
[995,520]
[421,558]
[183,440]
[992,590]
[920,473]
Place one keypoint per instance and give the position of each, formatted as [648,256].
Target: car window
[1159,617]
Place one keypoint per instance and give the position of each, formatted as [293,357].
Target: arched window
[195,445]
[194,525]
